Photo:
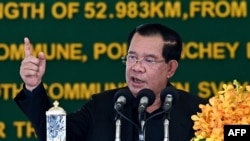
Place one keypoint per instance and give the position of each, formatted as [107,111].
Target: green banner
[84,41]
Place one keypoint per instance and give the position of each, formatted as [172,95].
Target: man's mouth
[136,80]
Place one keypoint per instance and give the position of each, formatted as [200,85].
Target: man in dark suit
[152,58]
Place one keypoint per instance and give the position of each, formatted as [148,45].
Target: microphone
[145,98]
[121,98]
[168,96]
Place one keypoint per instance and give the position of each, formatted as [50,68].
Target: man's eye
[132,57]
[149,60]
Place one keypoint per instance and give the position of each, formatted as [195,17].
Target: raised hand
[32,69]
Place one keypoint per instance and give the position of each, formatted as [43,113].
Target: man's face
[142,74]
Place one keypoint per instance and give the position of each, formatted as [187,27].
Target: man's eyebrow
[151,55]
[131,52]
[146,55]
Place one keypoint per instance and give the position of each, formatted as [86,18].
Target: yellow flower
[231,106]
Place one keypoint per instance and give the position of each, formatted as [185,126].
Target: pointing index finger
[27,48]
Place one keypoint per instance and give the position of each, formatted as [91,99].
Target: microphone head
[146,93]
[169,91]
[123,95]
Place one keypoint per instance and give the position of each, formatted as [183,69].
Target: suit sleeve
[34,105]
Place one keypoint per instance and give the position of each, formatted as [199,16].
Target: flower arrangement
[231,106]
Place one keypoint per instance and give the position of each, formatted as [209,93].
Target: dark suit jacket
[95,120]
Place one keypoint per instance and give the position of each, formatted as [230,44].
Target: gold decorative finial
[235,82]
[56,103]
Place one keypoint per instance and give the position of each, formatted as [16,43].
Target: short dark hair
[173,43]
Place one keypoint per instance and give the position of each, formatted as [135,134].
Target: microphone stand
[142,120]
[118,129]
[118,124]
[166,126]
[166,129]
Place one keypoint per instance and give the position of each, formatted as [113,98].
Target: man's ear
[173,65]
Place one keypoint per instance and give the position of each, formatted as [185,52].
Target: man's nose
[138,66]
